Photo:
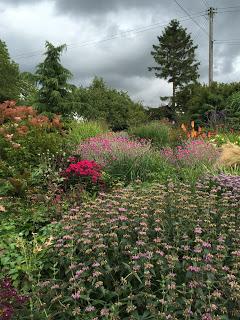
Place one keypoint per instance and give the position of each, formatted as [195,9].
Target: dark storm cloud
[122,62]
[101,7]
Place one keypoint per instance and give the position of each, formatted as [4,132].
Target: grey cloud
[17,2]
[101,7]
[123,62]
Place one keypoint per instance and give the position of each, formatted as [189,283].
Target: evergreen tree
[9,75]
[52,78]
[175,57]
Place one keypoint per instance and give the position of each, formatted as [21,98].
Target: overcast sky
[96,32]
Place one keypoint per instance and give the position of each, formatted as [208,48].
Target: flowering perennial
[226,182]
[108,148]
[172,255]
[10,300]
[84,168]
[191,153]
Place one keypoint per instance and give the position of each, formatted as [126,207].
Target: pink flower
[193,269]
[76,296]
[90,309]
[104,312]
[198,230]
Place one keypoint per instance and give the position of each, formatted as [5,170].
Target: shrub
[233,110]
[160,134]
[174,255]
[24,151]
[26,136]
[85,173]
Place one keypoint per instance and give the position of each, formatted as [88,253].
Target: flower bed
[174,255]
[191,153]
[110,147]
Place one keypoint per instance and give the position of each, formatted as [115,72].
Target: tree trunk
[173,100]
[174,95]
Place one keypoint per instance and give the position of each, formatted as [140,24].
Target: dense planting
[102,225]
[174,255]
[191,153]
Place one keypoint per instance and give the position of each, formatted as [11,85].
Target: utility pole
[211,12]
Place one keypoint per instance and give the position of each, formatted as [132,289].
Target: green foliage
[9,75]
[206,104]
[81,130]
[52,78]
[28,89]
[99,102]
[33,147]
[23,258]
[175,57]
[146,253]
[147,167]
[162,112]
[233,110]
[136,115]
[222,138]
[160,134]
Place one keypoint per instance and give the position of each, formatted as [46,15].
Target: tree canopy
[175,57]
[9,75]
[53,78]
[98,101]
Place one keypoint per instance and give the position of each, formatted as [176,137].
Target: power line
[229,43]
[136,31]
[229,11]
[228,40]
[229,7]
[203,29]
[205,3]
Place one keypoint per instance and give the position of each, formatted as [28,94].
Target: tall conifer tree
[175,57]
[52,78]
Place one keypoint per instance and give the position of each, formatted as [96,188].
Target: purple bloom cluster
[228,182]
[10,300]
[172,255]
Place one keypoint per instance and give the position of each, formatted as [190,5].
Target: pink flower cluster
[84,168]
[191,153]
[108,148]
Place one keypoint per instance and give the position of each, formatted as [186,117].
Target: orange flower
[22,130]
[183,127]
[56,122]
